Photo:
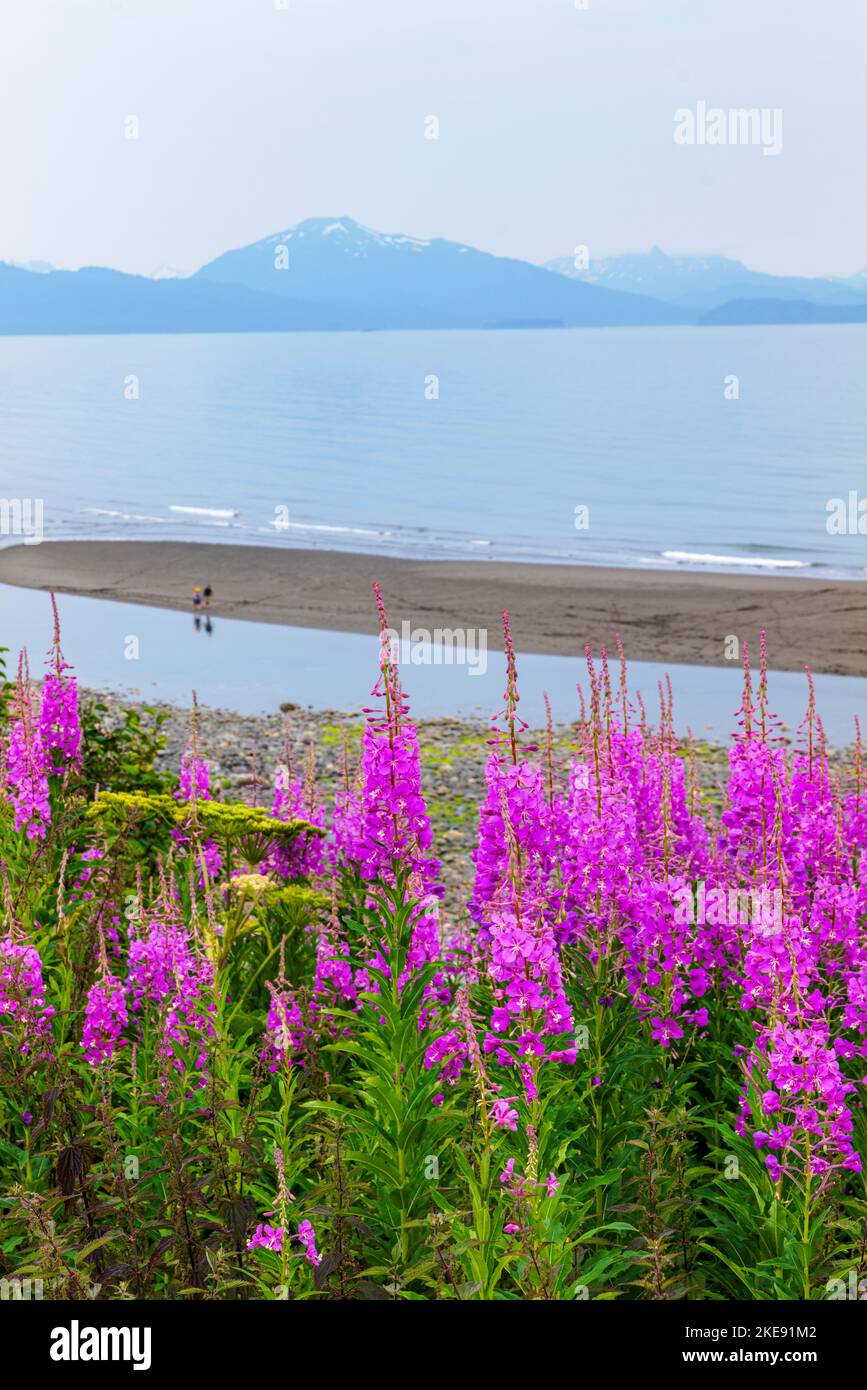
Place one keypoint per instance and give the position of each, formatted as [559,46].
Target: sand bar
[662,616]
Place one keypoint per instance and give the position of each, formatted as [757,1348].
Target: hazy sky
[556,126]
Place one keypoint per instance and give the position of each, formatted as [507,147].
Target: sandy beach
[662,616]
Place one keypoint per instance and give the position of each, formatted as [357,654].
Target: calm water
[253,667]
[332,434]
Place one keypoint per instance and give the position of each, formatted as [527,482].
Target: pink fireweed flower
[532,1020]
[394,820]
[522,1187]
[269,1237]
[188,1019]
[209,862]
[295,799]
[160,955]
[334,985]
[59,723]
[82,887]
[195,778]
[165,971]
[288,795]
[307,1237]
[194,784]
[105,1017]
[517,938]
[665,1031]
[383,828]
[812,1125]
[345,841]
[286,1031]
[515,812]
[504,1115]
[28,763]
[23,1010]
[448,1053]
[512,1180]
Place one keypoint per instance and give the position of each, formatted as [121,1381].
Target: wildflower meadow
[245,1054]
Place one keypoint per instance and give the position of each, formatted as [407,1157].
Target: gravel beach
[244,750]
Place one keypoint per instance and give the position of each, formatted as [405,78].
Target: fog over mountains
[331,274]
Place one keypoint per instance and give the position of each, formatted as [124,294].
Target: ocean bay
[333,439]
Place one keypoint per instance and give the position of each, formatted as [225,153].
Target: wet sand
[676,617]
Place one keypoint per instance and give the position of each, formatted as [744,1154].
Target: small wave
[123,516]
[690,557]
[224,513]
[335,530]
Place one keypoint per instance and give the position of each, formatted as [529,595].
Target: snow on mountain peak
[352,237]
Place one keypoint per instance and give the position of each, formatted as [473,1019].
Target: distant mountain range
[704,283]
[328,274]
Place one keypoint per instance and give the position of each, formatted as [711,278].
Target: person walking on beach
[197,597]
[208,592]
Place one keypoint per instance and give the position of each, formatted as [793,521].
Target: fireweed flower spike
[194,785]
[286,1029]
[170,977]
[28,761]
[297,798]
[516,811]
[274,1238]
[395,824]
[24,1013]
[532,1018]
[58,714]
[194,782]
[105,1017]
[392,828]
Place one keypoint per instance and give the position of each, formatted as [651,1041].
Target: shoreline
[678,617]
